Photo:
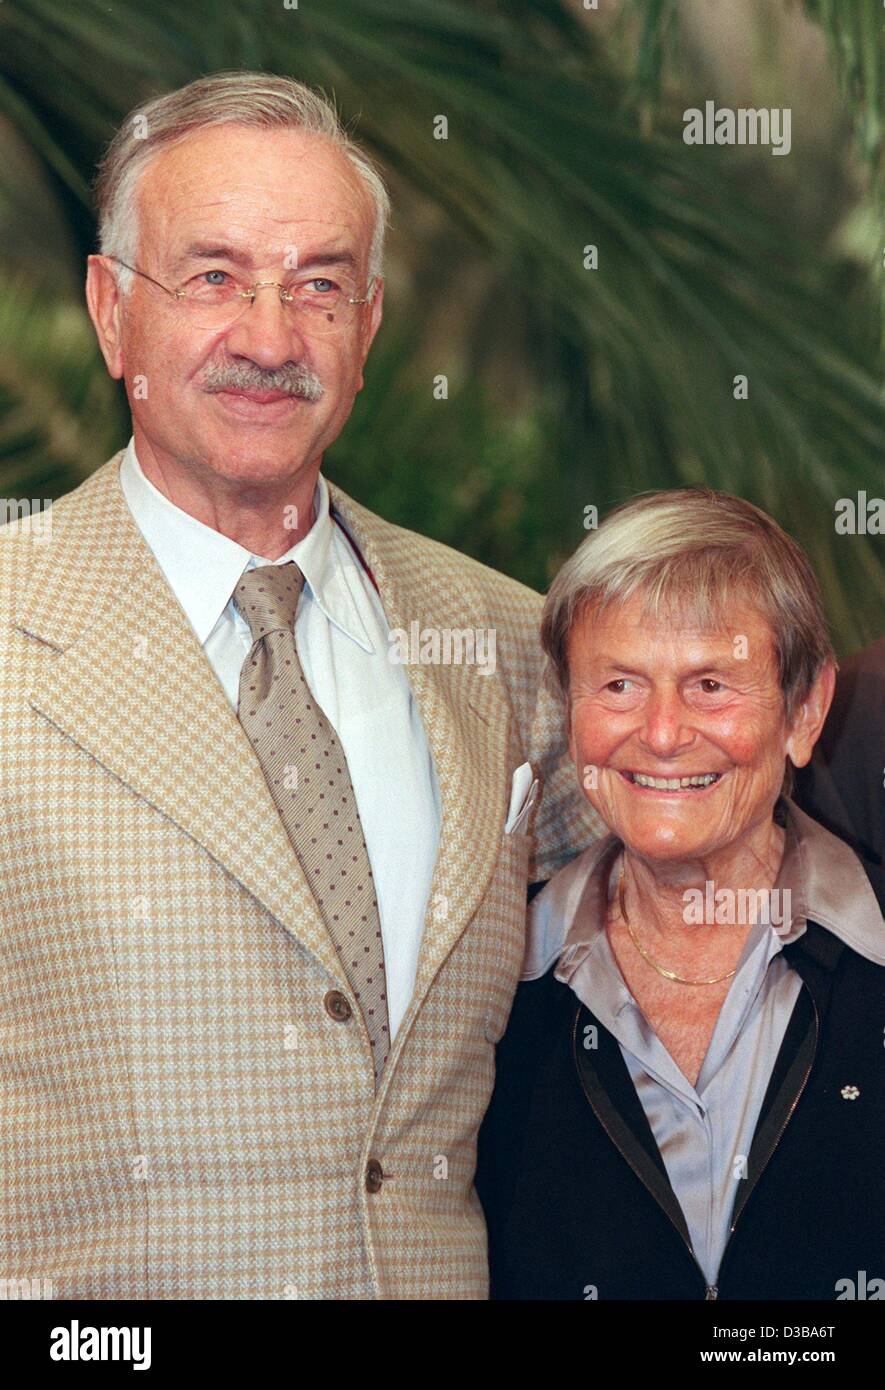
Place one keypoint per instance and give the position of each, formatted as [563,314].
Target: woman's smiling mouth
[691,782]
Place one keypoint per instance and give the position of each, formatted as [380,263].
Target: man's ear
[103,299]
[809,718]
[376,314]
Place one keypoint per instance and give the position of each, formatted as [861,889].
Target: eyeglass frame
[285,296]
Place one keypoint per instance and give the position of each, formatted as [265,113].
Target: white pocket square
[523,794]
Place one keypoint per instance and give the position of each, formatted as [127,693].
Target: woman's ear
[808,721]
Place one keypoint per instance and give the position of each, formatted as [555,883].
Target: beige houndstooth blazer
[179,1115]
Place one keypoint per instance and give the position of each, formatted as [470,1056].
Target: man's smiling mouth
[693,781]
[259,397]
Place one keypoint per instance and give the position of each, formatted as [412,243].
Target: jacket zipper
[711,1289]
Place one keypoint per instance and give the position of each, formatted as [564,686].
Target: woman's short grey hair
[693,553]
[259,100]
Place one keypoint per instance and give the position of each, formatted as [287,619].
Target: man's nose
[663,729]
[267,331]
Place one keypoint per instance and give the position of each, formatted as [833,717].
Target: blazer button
[338,1006]
[374,1176]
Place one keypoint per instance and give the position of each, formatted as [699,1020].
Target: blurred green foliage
[566,386]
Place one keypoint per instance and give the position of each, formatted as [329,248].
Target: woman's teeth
[672,784]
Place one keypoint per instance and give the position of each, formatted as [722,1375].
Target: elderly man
[265,885]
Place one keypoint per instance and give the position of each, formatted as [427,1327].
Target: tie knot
[267,597]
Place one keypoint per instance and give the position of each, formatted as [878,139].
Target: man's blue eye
[221,277]
[321,281]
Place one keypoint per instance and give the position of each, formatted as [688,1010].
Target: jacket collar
[202,566]
[825,878]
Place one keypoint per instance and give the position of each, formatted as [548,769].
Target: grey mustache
[293,379]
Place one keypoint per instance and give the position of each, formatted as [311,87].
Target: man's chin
[242,456]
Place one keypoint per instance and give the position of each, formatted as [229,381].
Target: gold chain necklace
[667,974]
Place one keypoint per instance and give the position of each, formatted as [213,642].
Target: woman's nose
[663,729]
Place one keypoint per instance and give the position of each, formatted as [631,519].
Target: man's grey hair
[694,553]
[262,101]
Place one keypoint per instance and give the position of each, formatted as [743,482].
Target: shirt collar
[202,566]
[825,878]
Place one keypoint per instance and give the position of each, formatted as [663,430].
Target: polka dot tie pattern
[306,770]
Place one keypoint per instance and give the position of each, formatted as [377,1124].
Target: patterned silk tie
[306,770]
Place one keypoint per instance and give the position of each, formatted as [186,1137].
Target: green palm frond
[578,386]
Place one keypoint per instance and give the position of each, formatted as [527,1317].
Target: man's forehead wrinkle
[262,220]
[222,221]
[216,186]
[201,225]
[243,203]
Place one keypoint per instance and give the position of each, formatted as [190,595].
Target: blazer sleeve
[566,822]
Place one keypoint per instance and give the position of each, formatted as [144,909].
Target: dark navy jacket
[576,1196]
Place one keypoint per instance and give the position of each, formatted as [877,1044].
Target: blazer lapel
[132,687]
[466,720]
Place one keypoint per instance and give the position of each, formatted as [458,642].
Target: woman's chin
[665,841]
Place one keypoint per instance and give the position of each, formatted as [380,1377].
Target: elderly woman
[689,1092]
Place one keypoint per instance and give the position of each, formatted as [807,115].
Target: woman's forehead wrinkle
[630,637]
[678,625]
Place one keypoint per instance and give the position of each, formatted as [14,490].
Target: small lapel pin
[850,1093]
